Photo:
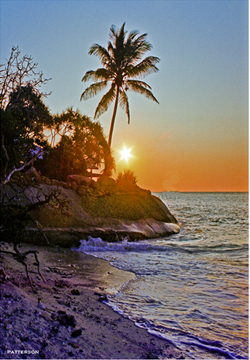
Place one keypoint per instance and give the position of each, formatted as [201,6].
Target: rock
[65,319]
[54,330]
[75,292]
[74,345]
[79,180]
[33,174]
[103,297]
[103,212]
[106,181]
[3,275]
[81,191]
[61,283]
[76,333]
[65,303]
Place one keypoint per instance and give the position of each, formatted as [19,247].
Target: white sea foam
[92,245]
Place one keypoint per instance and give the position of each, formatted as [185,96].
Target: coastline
[73,322]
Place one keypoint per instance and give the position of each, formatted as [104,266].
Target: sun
[125,154]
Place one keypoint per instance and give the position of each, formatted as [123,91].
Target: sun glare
[125,154]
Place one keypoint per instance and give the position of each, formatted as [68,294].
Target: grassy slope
[126,206]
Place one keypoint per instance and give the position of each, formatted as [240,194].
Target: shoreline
[73,323]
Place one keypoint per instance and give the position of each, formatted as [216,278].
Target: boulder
[91,212]
[79,180]
[33,174]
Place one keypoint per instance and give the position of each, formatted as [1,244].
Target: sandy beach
[70,321]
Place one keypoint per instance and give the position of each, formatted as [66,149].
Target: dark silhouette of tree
[22,124]
[127,180]
[81,143]
[23,113]
[19,72]
[122,65]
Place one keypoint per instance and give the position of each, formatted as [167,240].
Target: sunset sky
[196,139]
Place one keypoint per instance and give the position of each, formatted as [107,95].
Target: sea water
[190,288]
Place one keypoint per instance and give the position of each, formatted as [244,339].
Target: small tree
[81,143]
[127,180]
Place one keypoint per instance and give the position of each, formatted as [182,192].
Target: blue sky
[200,126]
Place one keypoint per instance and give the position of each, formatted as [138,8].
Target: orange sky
[194,173]
[169,163]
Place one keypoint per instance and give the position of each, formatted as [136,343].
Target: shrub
[126,180]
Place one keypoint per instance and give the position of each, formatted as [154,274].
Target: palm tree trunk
[113,116]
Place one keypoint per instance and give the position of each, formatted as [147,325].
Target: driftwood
[21,257]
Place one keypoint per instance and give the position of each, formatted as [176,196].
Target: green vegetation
[81,144]
[126,180]
[130,206]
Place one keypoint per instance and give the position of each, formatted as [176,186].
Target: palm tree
[122,64]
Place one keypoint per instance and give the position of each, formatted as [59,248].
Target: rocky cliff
[75,212]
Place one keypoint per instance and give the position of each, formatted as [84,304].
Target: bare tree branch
[8,177]
[19,72]
[6,155]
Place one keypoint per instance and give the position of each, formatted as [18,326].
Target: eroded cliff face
[109,212]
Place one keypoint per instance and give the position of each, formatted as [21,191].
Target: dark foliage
[126,180]
[81,144]
[21,128]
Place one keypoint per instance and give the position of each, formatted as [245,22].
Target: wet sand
[71,321]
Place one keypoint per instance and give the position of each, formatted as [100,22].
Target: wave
[210,346]
[181,339]
[98,245]
[92,245]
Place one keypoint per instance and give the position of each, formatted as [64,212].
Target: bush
[126,180]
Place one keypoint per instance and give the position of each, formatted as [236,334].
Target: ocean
[190,288]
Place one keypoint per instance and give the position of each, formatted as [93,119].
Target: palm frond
[141,45]
[99,74]
[93,89]
[100,52]
[138,47]
[105,102]
[145,67]
[138,87]
[111,52]
[131,36]
[139,83]
[114,34]
[123,102]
